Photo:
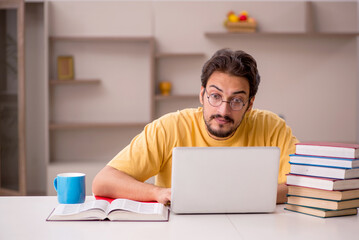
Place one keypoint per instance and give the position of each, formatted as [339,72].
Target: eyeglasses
[216,100]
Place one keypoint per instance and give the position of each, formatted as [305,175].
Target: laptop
[224,179]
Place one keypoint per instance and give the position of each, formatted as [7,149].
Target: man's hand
[282,193]
[113,183]
[163,195]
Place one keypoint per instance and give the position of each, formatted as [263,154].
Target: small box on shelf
[242,26]
[75,82]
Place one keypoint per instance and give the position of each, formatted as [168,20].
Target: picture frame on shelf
[65,68]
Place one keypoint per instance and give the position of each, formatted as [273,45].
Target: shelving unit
[75,82]
[98,40]
[282,34]
[175,97]
[310,29]
[106,130]
[101,38]
[175,55]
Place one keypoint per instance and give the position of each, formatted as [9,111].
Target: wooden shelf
[75,82]
[174,55]
[310,29]
[63,126]
[105,38]
[175,97]
[270,34]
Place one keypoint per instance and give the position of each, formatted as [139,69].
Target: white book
[328,149]
[324,161]
[328,172]
[117,210]
[322,183]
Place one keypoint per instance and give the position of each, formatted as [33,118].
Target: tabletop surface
[25,218]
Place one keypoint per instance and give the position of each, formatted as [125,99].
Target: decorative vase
[165,88]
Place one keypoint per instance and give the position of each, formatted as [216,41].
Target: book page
[134,206]
[70,209]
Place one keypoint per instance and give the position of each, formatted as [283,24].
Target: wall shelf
[106,38]
[174,55]
[282,34]
[176,97]
[75,82]
[64,126]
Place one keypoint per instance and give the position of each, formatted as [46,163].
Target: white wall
[311,80]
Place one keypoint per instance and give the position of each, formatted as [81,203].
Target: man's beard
[220,133]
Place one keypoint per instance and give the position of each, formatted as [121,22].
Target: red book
[104,198]
[111,199]
[328,149]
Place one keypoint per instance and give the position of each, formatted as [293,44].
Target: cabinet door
[12,98]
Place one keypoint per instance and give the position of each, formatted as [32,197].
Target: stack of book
[324,179]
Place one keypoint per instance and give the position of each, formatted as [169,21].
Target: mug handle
[55,183]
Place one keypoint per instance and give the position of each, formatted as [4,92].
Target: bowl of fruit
[240,23]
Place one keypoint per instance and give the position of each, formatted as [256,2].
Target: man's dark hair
[236,63]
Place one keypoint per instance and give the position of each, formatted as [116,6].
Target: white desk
[24,218]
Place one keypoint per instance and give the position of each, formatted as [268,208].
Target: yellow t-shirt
[150,152]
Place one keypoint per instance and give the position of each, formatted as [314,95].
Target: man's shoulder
[270,123]
[257,116]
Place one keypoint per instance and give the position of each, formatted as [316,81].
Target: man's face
[222,121]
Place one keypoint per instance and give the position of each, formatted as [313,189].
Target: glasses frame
[229,102]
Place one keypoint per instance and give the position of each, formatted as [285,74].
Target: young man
[230,82]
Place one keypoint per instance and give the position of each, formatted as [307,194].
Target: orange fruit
[243,13]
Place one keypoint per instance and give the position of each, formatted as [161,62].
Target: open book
[117,210]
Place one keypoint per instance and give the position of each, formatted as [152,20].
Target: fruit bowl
[240,23]
[242,26]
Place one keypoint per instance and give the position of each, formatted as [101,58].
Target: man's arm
[113,183]
[282,193]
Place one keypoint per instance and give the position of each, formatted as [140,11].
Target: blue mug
[70,188]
